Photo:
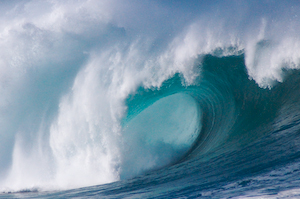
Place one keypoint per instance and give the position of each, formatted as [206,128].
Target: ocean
[149,99]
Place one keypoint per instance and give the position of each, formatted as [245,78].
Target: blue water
[149,99]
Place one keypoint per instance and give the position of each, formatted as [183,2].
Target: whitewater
[149,99]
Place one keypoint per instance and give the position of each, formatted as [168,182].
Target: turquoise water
[149,99]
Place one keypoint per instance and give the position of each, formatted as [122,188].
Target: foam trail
[66,69]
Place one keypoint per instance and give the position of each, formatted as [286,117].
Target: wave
[95,92]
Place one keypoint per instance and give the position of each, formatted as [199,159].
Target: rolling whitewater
[149,99]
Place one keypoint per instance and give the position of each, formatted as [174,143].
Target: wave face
[149,99]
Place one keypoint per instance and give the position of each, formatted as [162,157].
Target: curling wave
[149,98]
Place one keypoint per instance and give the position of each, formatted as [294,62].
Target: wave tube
[160,134]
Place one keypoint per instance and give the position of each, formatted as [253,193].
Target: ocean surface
[149,99]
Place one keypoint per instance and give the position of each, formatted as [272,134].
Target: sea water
[149,99]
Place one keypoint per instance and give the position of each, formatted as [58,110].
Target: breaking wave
[182,94]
